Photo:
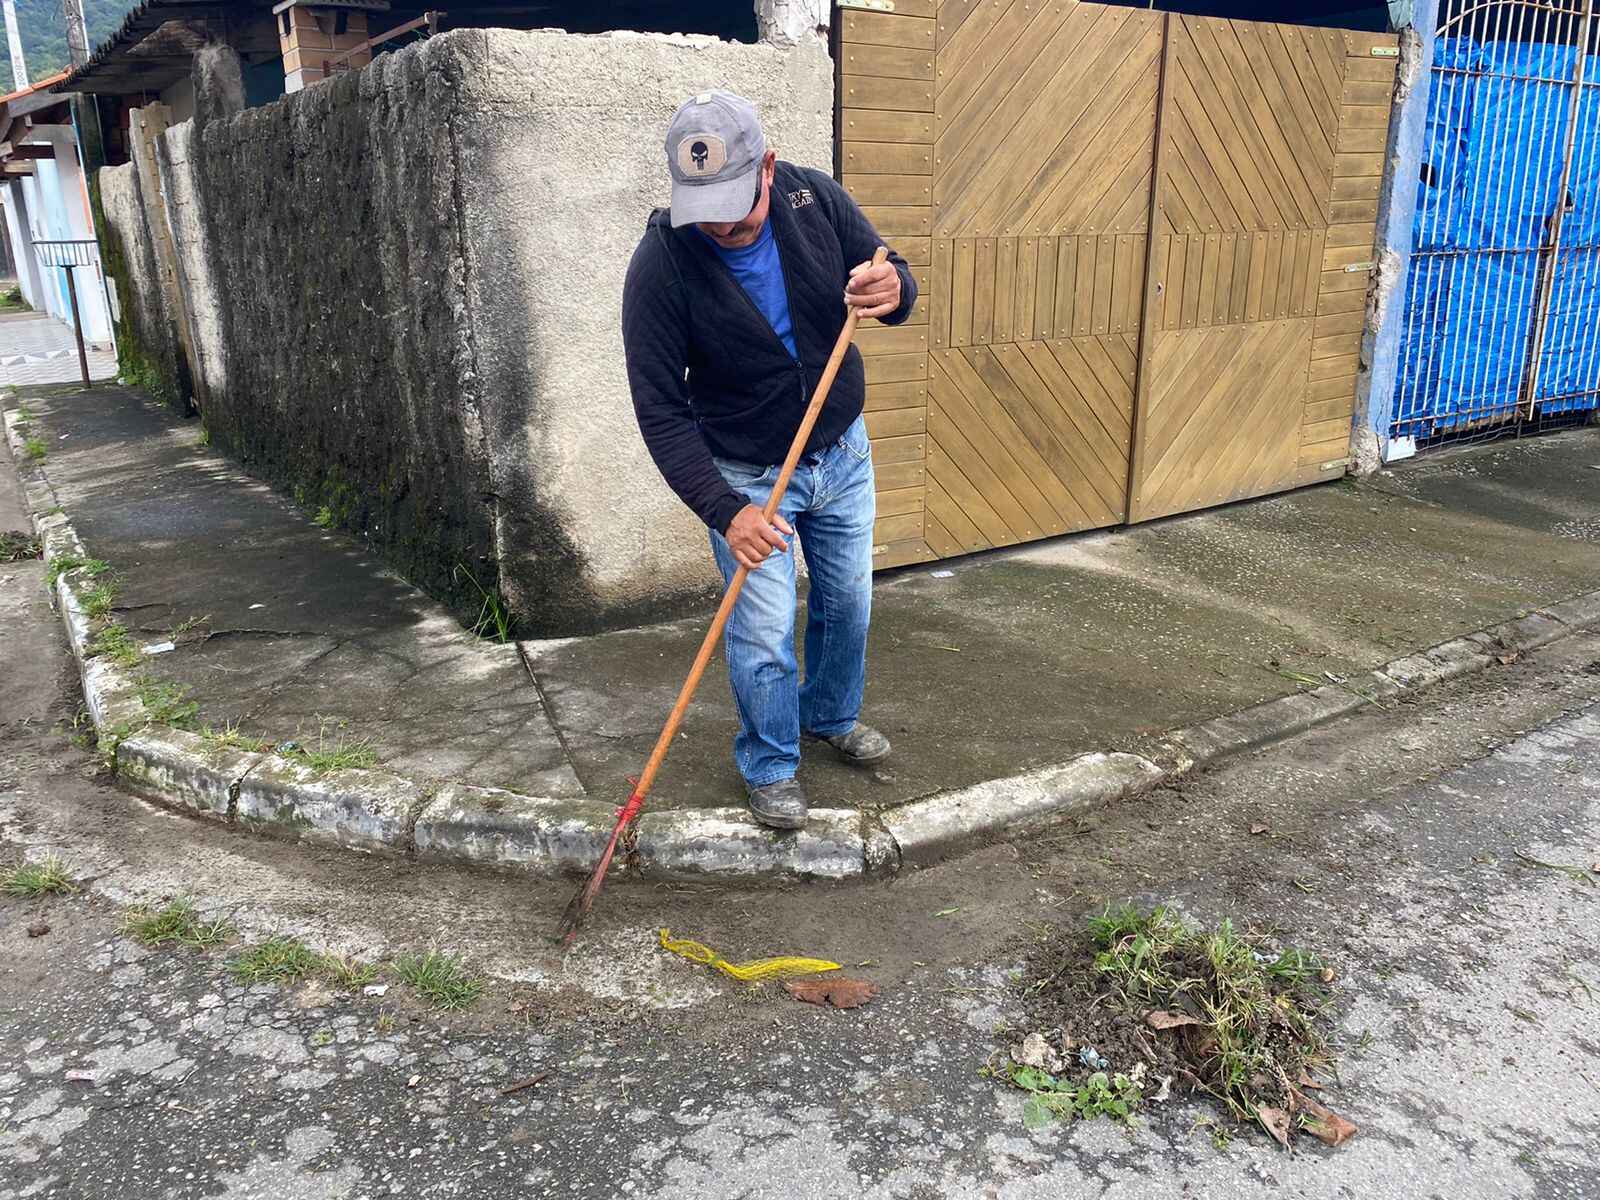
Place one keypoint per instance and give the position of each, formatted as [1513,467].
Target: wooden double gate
[1142,241]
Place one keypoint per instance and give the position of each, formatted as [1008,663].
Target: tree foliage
[44,33]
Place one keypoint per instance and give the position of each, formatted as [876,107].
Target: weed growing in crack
[167,704]
[494,617]
[114,643]
[323,518]
[47,877]
[101,599]
[440,979]
[278,959]
[334,755]
[34,449]
[229,737]
[177,921]
[188,623]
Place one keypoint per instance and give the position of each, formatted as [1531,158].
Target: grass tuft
[323,518]
[278,960]
[347,974]
[229,737]
[440,979]
[47,877]
[176,921]
[58,566]
[494,616]
[115,644]
[34,449]
[332,755]
[100,600]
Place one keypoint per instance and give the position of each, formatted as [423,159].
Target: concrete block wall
[405,286]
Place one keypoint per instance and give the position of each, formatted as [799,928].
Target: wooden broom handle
[707,647]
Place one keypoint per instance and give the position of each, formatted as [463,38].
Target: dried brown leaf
[1160,1018]
[840,993]
[1324,1124]
[1307,1082]
[1276,1122]
[1505,660]
[1326,975]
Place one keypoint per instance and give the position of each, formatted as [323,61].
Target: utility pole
[77,36]
[19,68]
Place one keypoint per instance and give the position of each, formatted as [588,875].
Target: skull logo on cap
[701,154]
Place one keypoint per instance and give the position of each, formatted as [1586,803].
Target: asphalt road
[1469,1055]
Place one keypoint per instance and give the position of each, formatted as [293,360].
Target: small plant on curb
[114,644]
[334,755]
[58,566]
[34,449]
[176,921]
[323,518]
[440,979]
[229,737]
[278,960]
[167,704]
[101,599]
[47,877]
[494,617]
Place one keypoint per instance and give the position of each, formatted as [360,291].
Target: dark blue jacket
[709,376]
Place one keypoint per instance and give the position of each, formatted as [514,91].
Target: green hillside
[44,33]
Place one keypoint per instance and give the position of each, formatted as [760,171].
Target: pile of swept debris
[1141,1005]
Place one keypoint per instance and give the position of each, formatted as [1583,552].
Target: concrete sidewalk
[981,669]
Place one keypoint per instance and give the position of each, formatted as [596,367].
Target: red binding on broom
[629,812]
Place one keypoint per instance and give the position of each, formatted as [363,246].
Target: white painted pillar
[19,68]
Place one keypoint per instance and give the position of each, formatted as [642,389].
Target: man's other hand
[874,291]
[751,539]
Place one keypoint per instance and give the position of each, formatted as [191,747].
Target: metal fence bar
[1569,143]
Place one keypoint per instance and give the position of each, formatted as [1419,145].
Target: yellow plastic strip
[748,972]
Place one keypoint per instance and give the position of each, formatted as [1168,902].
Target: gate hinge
[874,5]
[1376,51]
[1352,268]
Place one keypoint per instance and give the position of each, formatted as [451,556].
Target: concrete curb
[379,812]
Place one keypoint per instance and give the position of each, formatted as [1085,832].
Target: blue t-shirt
[760,274]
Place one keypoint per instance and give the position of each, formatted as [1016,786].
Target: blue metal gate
[1502,318]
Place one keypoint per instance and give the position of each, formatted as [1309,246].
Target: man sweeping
[733,302]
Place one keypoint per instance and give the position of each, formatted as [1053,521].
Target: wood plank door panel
[886,90]
[1044,117]
[1141,242]
[1247,368]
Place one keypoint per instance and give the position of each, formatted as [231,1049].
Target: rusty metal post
[77,326]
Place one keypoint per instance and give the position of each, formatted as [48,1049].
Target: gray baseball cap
[714,151]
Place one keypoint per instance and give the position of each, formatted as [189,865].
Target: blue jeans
[831,505]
